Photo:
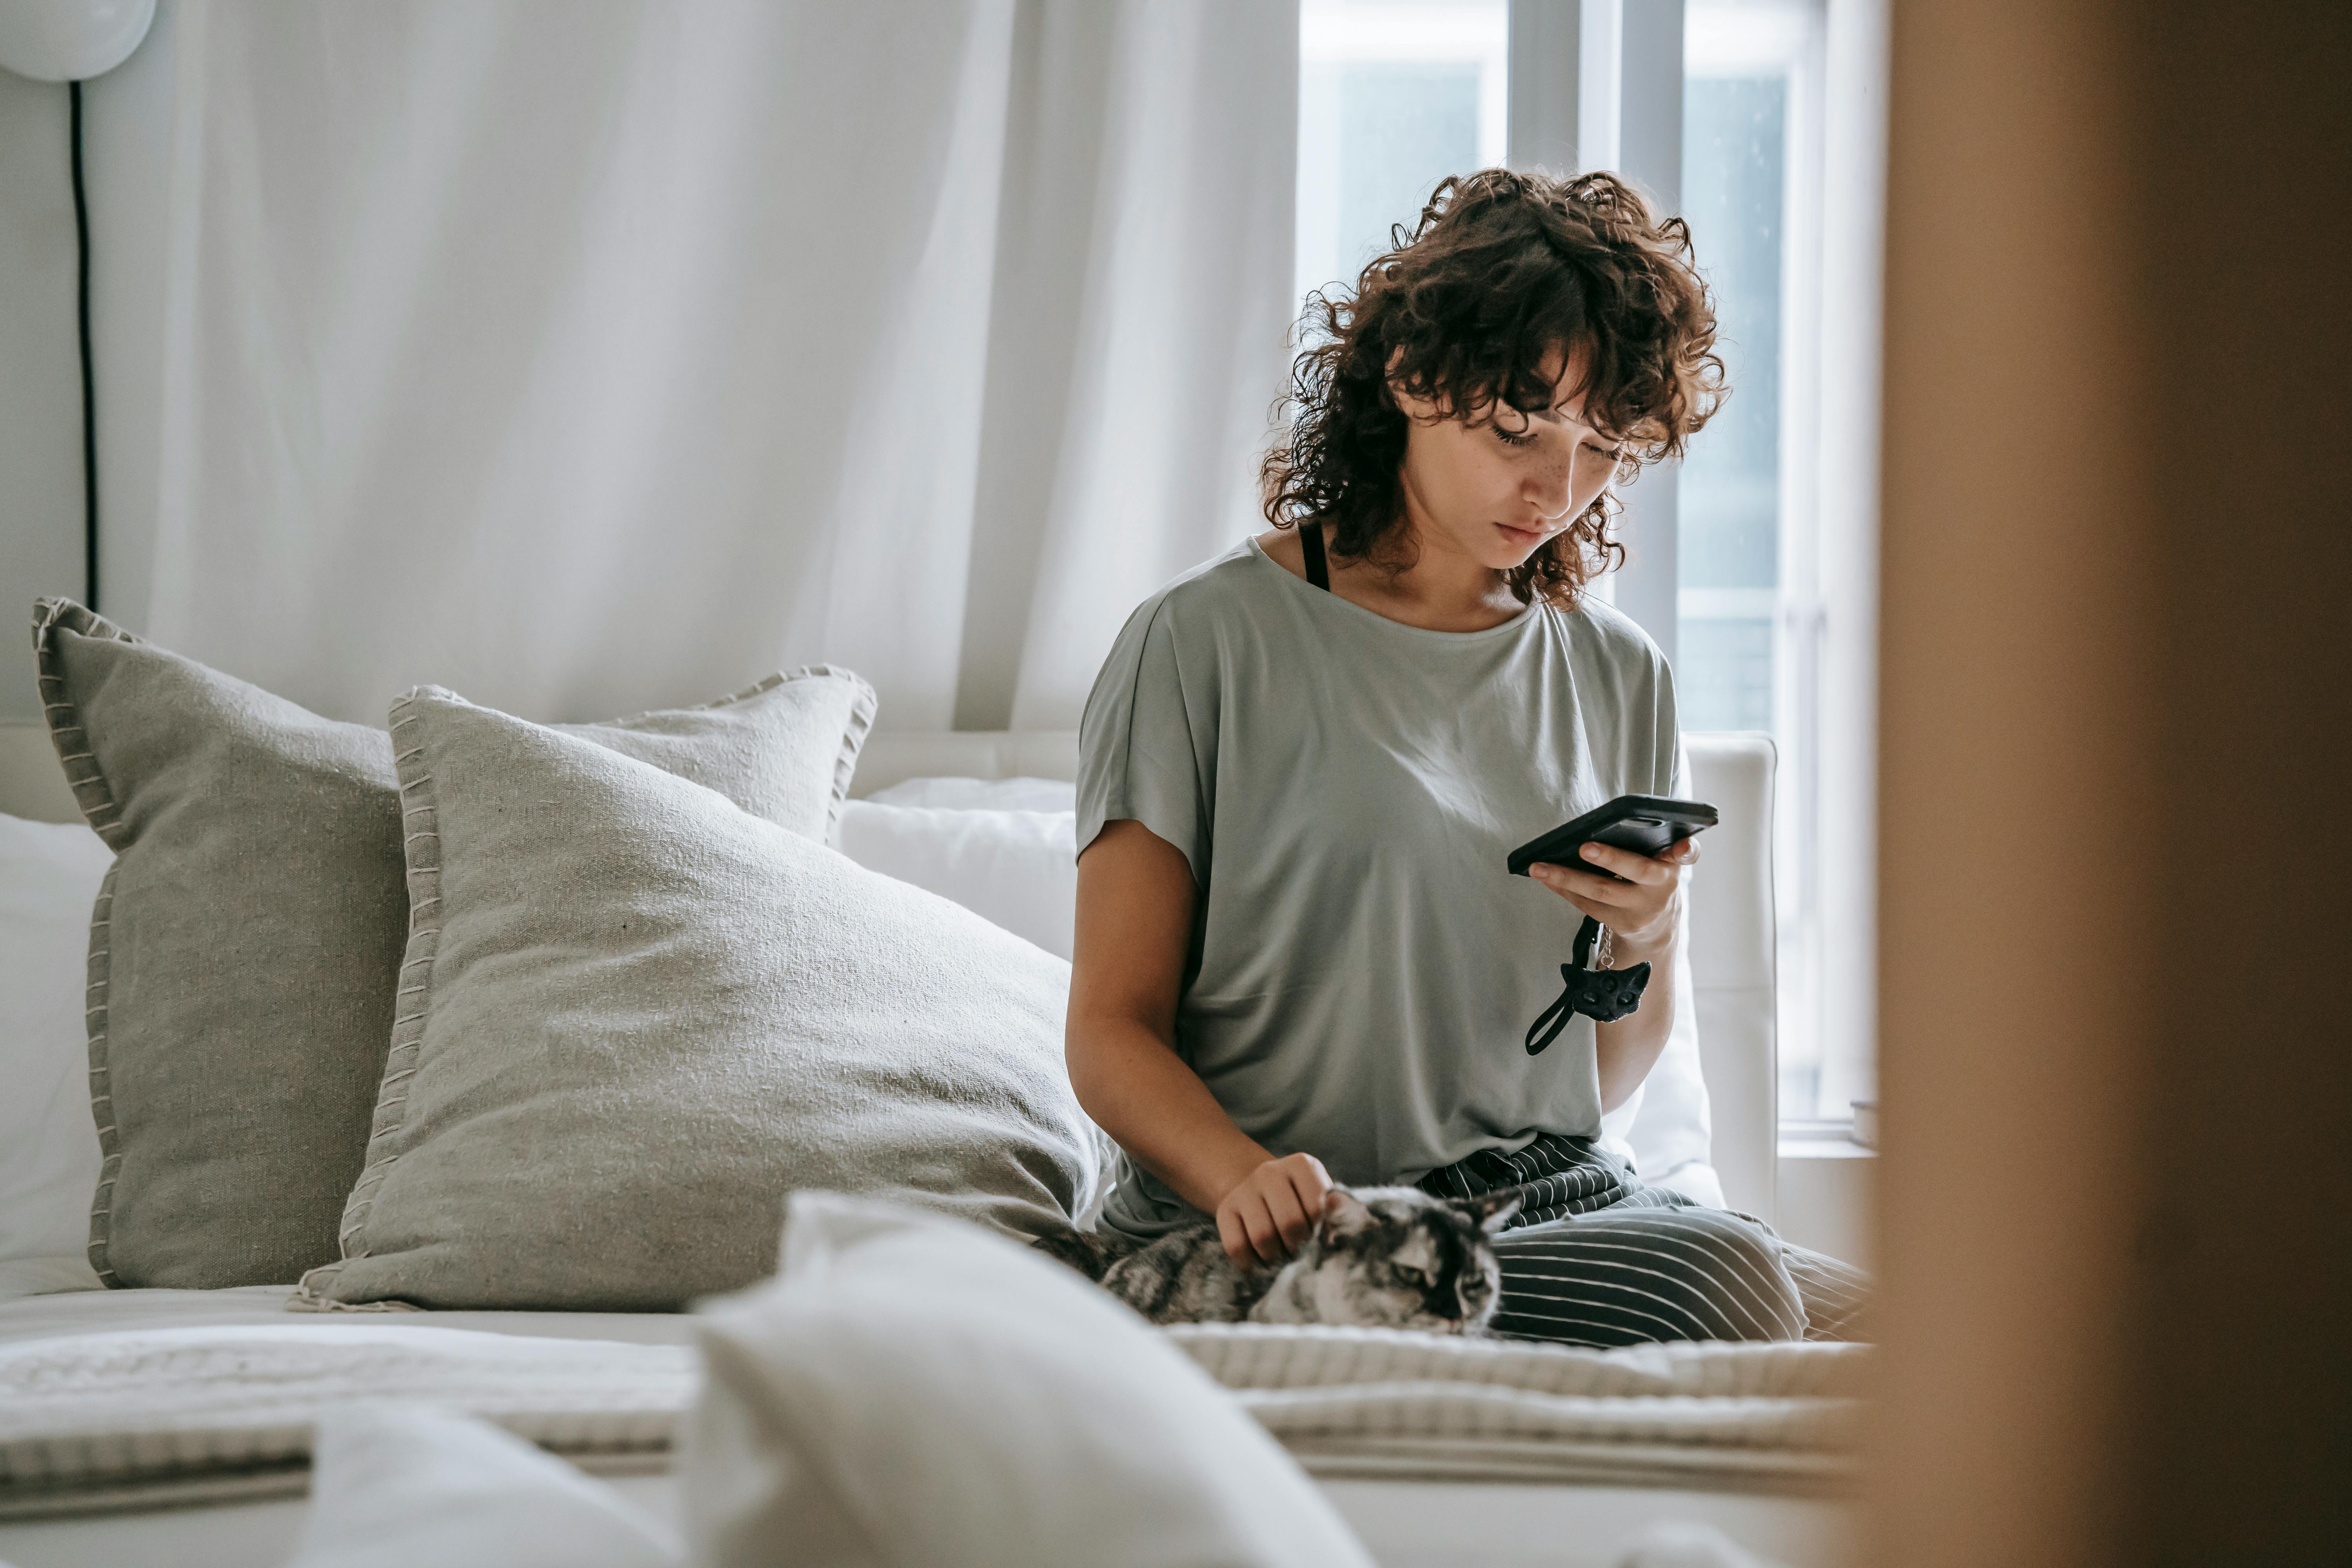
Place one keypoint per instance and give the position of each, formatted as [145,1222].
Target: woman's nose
[1552,492]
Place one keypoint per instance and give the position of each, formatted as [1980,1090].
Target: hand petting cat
[1268,1215]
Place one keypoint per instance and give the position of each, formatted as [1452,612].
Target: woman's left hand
[1640,911]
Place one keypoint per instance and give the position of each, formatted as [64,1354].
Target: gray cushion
[245,946]
[635,1017]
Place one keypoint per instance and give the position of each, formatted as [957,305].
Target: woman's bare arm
[1134,931]
[1627,1049]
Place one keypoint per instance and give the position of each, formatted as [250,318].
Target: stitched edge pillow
[635,1017]
[246,945]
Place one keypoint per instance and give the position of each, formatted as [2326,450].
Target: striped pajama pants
[1594,1257]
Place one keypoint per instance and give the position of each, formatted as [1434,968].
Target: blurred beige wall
[2116,866]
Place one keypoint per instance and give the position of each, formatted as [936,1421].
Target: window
[1750,605]
[1733,152]
[1393,97]
[1771,603]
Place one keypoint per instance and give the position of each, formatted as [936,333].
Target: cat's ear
[1344,1214]
[1494,1210]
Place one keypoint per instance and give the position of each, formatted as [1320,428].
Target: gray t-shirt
[1347,787]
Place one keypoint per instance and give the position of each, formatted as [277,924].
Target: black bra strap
[1311,539]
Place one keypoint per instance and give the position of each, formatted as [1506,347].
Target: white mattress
[1413,1522]
[263,1306]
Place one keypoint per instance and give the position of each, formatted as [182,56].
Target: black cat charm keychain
[1603,995]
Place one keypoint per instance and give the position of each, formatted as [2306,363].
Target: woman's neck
[1442,591]
[1445,588]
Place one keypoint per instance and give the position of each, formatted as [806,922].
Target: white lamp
[71,40]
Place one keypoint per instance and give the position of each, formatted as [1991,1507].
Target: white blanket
[1357,1402]
[141,1413]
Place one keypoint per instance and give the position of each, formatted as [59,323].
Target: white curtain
[587,357]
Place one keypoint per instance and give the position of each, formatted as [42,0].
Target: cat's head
[1395,1257]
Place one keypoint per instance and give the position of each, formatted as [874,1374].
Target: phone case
[1645,824]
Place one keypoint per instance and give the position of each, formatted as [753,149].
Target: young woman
[1299,960]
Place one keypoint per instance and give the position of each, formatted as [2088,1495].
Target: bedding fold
[145,1417]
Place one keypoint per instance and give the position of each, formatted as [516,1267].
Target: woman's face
[1497,489]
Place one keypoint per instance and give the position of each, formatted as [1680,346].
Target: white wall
[40,377]
[710,423]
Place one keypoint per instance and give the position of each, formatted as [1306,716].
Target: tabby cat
[1379,1257]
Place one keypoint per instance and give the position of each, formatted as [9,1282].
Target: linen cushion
[910,1391]
[635,1016]
[246,947]
[49,874]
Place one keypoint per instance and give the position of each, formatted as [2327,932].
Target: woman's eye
[1602,452]
[1518,438]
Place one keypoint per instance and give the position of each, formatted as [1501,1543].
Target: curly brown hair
[1503,269]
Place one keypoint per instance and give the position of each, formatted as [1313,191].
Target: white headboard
[964,754]
[1732,940]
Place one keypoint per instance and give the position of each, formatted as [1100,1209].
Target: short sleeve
[1147,740]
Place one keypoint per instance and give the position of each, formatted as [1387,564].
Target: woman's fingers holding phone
[1589,894]
[1641,868]
[1635,907]
[1582,885]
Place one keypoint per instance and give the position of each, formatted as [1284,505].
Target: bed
[1549,1505]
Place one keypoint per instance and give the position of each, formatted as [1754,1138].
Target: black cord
[89,385]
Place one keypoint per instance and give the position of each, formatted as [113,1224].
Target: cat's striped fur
[1381,1257]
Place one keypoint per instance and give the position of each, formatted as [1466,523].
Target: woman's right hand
[1269,1213]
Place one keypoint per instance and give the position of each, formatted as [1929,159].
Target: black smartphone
[1645,824]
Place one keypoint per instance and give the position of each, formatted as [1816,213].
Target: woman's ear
[1419,409]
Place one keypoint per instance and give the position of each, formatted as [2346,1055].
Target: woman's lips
[1522,535]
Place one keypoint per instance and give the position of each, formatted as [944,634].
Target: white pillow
[397,1485]
[912,1390]
[981,795]
[1017,867]
[49,876]
[1666,1126]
